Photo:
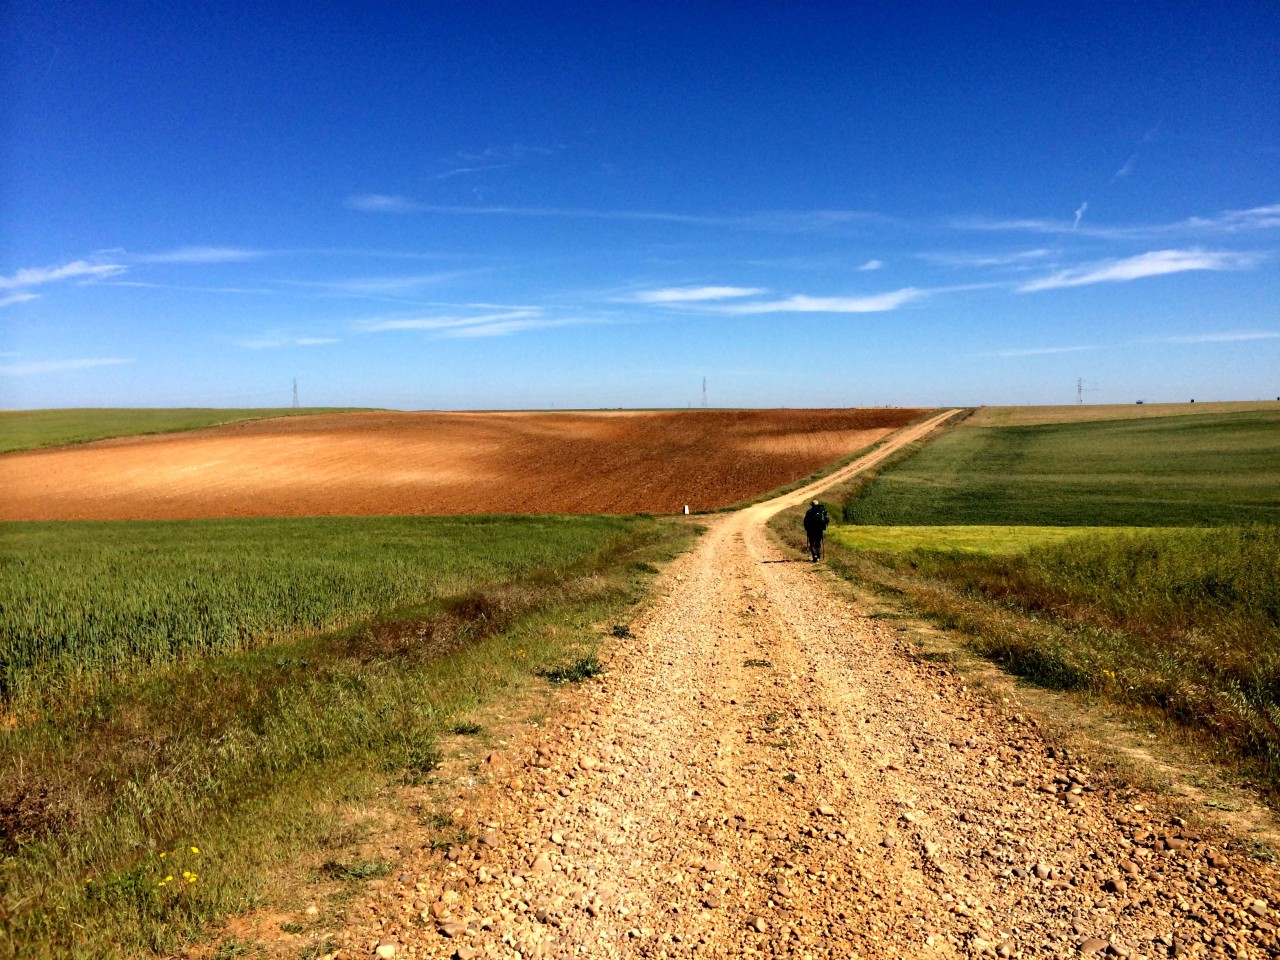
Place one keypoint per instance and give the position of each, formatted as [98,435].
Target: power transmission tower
[704,391]
[1081,390]
[295,393]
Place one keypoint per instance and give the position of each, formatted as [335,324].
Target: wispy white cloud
[18,298]
[1227,222]
[876,303]
[507,327]
[201,255]
[871,265]
[383,203]
[1126,169]
[1022,258]
[516,151]
[76,270]
[1154,264]
[566,213]
[494,158]
[273,341]
[798,221]
[447,321]
[456,326]
[372,286]
[1011,225]
[1079,214]
[692,294]
[1236,337]
[1231,221]
[187,288]
[397,288]
[1039,351]
[29,368]
[479,168]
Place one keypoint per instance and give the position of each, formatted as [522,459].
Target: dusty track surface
[763,771]
[436,463]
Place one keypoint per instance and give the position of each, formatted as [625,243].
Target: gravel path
[763,771]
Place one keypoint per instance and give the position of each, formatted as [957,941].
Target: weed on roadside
[458,838]
[236,950]
[580,670]
[1255,850]
[356,870]
[436,821]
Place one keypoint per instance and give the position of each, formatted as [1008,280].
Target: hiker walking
[815,524]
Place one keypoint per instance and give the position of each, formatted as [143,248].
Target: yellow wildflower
[195,849]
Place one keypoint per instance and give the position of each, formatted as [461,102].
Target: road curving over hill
[765,771]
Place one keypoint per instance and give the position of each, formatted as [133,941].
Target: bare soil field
[1081,413]
[378,463]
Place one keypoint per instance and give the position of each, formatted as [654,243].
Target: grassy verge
[1175,471]
[32,429]
[133,818]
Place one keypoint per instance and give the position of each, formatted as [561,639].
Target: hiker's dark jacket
[816,519]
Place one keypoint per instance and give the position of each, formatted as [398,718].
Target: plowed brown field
[434,463]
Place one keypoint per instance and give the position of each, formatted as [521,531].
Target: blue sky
[581,205]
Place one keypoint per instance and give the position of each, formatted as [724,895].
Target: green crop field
[237,687]
[32,429]
[1079,413]
[1198,470]
[93,601]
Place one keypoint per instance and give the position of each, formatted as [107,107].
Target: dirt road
[763,771]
